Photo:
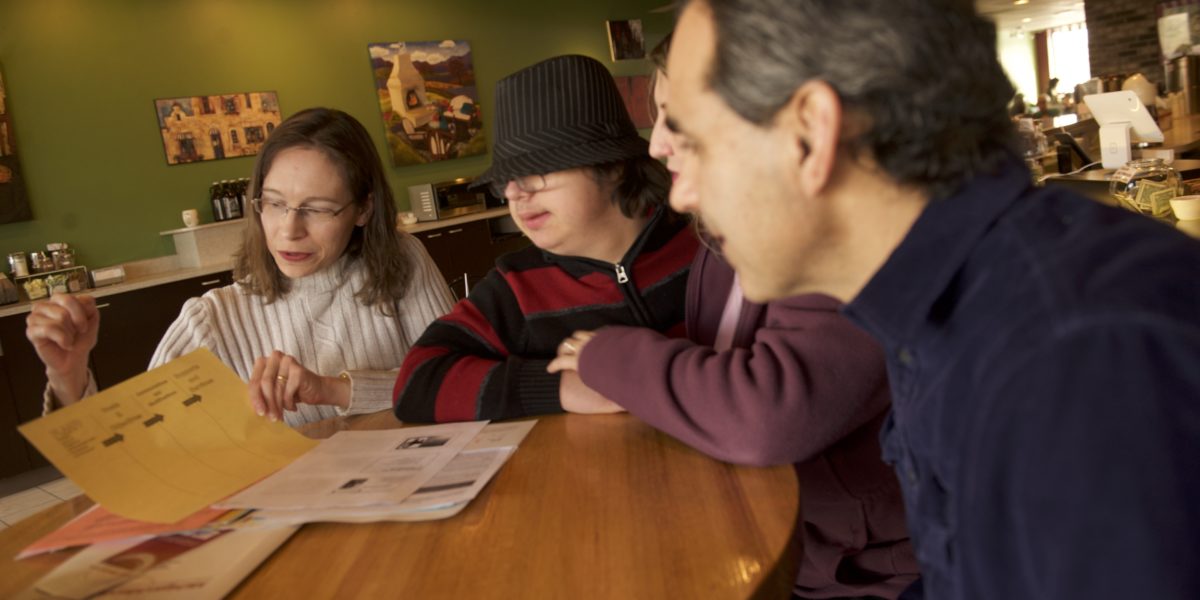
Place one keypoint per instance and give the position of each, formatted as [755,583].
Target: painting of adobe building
[214,127]
[429,101]
[14,204]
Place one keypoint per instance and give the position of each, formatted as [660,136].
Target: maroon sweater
[801,385]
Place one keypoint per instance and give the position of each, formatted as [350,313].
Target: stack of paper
[411,474]
[191,566]
[158,450]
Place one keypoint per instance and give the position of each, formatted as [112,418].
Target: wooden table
[588,507]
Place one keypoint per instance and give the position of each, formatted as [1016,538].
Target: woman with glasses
[606,250]
[329,295]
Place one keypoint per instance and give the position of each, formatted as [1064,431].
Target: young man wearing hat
[1042,348]
[581,185]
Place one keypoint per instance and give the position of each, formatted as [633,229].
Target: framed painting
[197,128]
[428,100]
[625,40]
[14,204]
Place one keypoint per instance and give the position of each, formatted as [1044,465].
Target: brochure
[176,567]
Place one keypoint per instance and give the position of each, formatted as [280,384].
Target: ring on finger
[569,346]
[281,378]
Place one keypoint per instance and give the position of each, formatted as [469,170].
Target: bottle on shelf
[214,198]
[232,207]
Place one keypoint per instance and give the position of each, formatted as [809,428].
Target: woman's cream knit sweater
[320,323]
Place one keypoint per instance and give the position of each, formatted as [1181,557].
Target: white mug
[191,218]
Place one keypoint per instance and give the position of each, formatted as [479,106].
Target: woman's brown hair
[658,56]
[377,243]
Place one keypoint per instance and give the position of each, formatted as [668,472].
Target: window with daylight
[1067,53]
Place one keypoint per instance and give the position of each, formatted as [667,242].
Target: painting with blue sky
[428,100]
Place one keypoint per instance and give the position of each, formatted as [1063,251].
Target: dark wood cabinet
[131,324]
[458,249]
[465,252]
[13,457]
[25,379]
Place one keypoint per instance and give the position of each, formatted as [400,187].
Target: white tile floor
[17,506]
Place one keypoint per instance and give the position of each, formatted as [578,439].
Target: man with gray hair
[1042,348]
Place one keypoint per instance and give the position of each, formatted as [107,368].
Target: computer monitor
[1113,108]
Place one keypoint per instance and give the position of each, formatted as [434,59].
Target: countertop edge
[173,275]
[129,285]
[491,213]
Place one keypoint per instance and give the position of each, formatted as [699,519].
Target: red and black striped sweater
[487,358]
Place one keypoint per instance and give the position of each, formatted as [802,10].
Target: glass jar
[77,280]
[64,258]
[41,262]
[18,265]
[1146,186]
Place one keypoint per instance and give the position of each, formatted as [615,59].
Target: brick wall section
[1123,38]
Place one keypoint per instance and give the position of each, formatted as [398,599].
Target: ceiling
[1034,15]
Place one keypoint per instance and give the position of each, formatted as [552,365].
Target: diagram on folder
[162,445]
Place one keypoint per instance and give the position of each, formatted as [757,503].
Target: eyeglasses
[276,210]
[529,184]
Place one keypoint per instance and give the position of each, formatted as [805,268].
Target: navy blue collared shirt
[1044,357]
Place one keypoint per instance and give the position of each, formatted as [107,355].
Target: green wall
[82,76]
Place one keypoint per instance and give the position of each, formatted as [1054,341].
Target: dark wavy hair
[642,183]
[922,73]
[377,243]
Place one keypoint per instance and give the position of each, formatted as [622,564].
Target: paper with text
[167,443]
[360,468]
[442,496]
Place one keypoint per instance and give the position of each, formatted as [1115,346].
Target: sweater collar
[327,279]
[900,295]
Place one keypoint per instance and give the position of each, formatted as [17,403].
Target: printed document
[167,443]
[442,496]
[360,468]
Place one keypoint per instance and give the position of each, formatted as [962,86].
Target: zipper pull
[621,276]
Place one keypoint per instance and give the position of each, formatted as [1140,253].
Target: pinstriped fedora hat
[561,113]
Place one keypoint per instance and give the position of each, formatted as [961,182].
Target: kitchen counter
[169,269]
[138,275]
[491,213]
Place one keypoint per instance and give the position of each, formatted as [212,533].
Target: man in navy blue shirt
[1043,349]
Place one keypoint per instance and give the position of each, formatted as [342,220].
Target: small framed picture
[14,203]
[625,41]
